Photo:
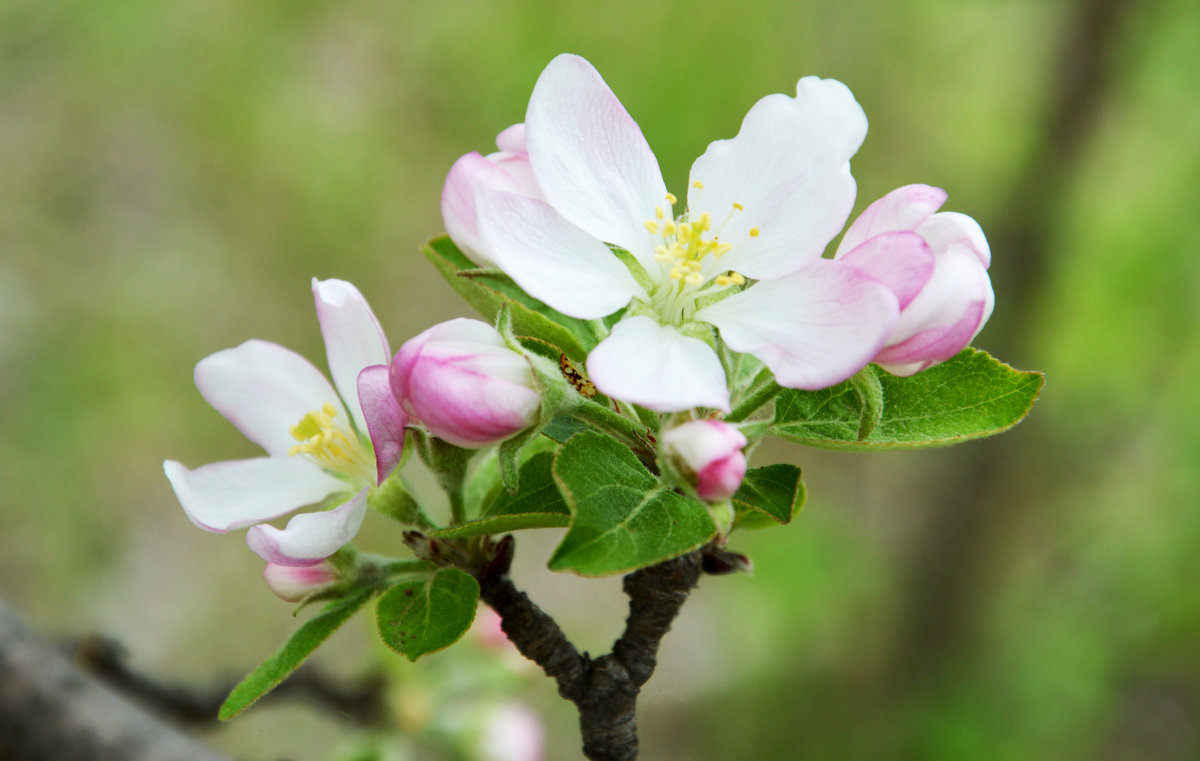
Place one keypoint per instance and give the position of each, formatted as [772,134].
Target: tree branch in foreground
[604,689]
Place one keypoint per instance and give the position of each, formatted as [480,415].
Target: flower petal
[234,494]
[505,171]
[902,261]
[552,259]
[788,171]
[905,208]
[264,390]
[590,157]
[385,419]
[944,317]
[658,367]
[949,227]
[814,329]
[353,338]
[309,538]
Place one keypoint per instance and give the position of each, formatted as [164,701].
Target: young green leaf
[968,397]
[776,491]
[537,505]
[622,518]
[420,616]
[287,658]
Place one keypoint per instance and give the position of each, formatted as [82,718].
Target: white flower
[760,207]
[316,448]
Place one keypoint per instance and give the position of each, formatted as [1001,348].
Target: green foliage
[537,505]
[968,397]
[776,491]
[622,517]
[291,654]
[421,616]
[489,290]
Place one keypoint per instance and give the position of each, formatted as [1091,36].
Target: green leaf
[622,518]
[776,491]
[487,290]
[421,616]
[967,397]
[537,505]
[287,658]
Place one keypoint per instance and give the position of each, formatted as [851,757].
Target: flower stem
[757,398]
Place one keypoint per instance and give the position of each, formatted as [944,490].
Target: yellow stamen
[671,199]
[754,231]
[651,226]
[331,445]
[738,207]
[658,212]
[698,185]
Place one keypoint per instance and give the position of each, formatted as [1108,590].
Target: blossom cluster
[573,208]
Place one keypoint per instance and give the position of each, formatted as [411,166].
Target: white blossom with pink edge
[317,447]
[709,451]
[761,206]
[293,583]
[463,383]
[935,263]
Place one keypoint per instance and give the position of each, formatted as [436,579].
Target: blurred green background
[173,174]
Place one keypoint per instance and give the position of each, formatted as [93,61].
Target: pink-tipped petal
[711,452]
[512,139]
[658,368]
[905,208]
[900,260]
[385,419]
[590,156]
[458,199]
[787,170]
[949,228]
[353,336]
[815,328]
[293,583]
[309,538]
[223,496]
[264,390]
[552,259]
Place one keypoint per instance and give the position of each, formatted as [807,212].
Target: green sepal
[968,397]
[291,654]
[774,491]
[635,268]
[394,499]
[420,616]
[622,517]
[487,290]
[537,505]
[867,385]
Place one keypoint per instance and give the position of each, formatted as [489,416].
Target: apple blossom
[293,583]
[936,264]
[464,384]
[511,732]
[760,207]
[508,170]
[317,448]
[710,452]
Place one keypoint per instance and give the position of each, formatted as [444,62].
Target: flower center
[686,253]
[332,445]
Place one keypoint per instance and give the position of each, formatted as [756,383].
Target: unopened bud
[710,452]
[295,582]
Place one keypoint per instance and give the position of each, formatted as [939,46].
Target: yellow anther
[671,199]
[658,212]
[698,185]
[754,231]
[730,278]
[669,228]
[651,226]
[685,231]
[705,221]
[330,444]
[662,254]
[694,280]
[738,207]
[723,249]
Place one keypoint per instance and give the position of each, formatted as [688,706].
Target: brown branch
[604,689]
[52,711]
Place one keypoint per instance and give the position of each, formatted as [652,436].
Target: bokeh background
[172,174]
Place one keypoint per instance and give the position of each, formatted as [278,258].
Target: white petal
[658,367]
[948,228]
[309,537]
[237,493]
[353,339]
[552,259]
[814,329]
[264,390]
[788,167]
[590,157]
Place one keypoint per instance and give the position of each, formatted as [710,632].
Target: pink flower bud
[711,452]
[508,170]
[936,264]
[293,582]
[464,384]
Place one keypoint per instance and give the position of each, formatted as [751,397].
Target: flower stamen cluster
[332,445]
